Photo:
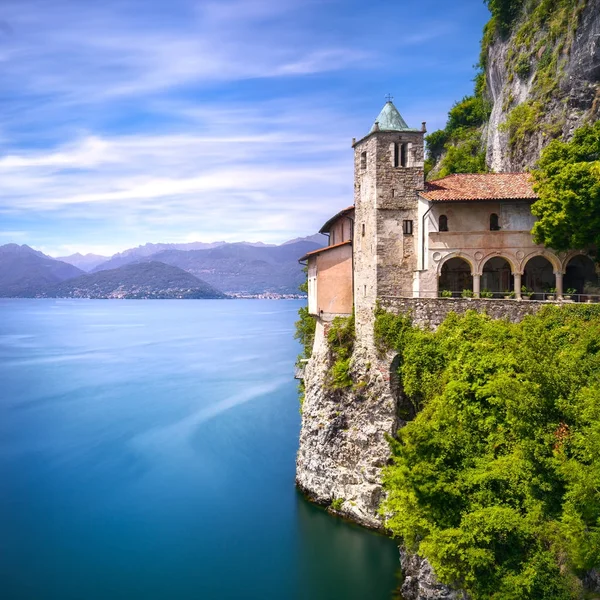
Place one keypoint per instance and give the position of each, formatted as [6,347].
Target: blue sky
[132,121]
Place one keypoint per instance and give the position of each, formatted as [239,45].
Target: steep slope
[141,280]
[539,79]
[24,270]
[543,80]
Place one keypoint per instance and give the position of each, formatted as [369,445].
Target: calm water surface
[147,451]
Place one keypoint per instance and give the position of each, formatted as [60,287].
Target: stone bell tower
[388,173]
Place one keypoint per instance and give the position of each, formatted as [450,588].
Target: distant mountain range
[23,270]
[195,270]
[139,280]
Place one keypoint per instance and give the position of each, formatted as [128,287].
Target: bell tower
[388,173]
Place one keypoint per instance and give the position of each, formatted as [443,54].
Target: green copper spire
[389,119]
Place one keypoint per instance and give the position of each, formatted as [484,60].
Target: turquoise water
[147,451]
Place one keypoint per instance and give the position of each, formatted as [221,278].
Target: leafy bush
[495,481]
[340,338]
[486,294]
[567,181]
[467,294]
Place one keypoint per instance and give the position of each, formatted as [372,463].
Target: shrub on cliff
[496,480]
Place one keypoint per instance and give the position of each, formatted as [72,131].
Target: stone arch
[452,255]
[456,274]
[549,256]
[581,274]
[539,273]
[497,274]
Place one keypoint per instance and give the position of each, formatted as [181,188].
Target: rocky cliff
[343,437]
[539,80]
[542,79]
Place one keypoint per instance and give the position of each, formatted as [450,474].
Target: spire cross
[389,97]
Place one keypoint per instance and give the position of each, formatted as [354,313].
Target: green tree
[496,479]
[567,181]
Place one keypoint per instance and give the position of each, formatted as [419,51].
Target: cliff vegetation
[496,479]
[537,80]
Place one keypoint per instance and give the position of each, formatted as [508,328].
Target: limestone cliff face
[343,437]
[543,81]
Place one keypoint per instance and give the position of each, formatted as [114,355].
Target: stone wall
[430,312]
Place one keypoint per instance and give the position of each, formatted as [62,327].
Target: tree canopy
[496,479]
[567,180]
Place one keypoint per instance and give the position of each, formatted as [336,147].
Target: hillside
[236,268]
[538,80]
[24,270]
[140,280]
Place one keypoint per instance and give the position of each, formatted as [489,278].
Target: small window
[396,155]
[407,227]
[363,161]
[403,155]
[443,223]
[363,229]
[393,193]
[494,222]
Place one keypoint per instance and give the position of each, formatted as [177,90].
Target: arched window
[494,222]
[443,223]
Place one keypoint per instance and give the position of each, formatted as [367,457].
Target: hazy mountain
[24,270]
[241,268]
[135,254]
[140,280]
[317,238]
[84,262]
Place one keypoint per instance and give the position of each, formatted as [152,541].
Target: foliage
[337,503]
[521,123]
[567,181]
[496,480]
[305,331]
[467,294]
[340,338]
[486,294]
[390,329]
[459,145]
[504,13]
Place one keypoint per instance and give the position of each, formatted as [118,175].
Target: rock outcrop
[420,582]
[343,442]
[515,69]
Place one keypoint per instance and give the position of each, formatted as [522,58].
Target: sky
[131,121]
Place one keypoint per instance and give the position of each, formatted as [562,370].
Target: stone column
[559,284]
[517,277]
[476,285]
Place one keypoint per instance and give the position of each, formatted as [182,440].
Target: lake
[147,451]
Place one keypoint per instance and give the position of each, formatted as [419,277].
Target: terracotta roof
[319,250]
[335,217]
[480,186]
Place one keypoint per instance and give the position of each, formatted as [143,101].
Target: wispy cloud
[131,121]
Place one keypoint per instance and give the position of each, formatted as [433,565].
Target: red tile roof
[319,250]
[332,220]
[480,186]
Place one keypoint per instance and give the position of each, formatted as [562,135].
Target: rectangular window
[363,161]
[363,229]
[407,227]
[403,155]
[396,155]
